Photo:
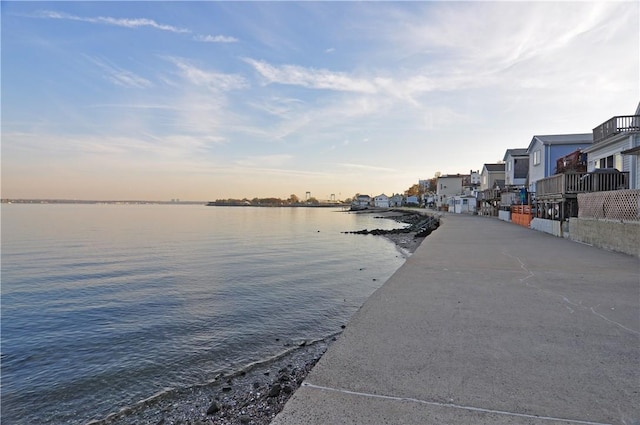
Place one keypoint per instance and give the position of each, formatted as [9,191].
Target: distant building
[362,201]
[381,201]
[449,185]
[492,176]
[412,200]
[396,200]
[516,167]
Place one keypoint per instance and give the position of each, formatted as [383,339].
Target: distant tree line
[293,200]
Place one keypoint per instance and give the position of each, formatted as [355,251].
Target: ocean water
[107,305]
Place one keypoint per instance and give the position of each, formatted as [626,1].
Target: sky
[210,100]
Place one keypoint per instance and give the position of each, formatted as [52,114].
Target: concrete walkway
[487,323]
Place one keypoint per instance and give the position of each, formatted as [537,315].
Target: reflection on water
[105,305]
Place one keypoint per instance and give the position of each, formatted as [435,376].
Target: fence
[521,214]
[622,205]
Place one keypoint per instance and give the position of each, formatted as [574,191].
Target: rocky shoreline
[252,396]
[407,239]
[256,394]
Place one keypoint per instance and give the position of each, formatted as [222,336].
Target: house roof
[450,176]
[515,152]
[632,151]
[494,167]
[562,139]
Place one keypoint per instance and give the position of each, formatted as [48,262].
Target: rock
[287,389]
[302,344]
[245,419]
[226,389]
[214,408]
[275,390]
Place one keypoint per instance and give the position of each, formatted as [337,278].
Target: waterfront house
[464,204]
[543,152]
[491,183]
[396,200]
[381,201]
[362,201]
[616,145]
[516,167]
[596,199]
[449,185]
[492,176]
[412,201]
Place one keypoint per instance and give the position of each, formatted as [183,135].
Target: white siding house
[381,201]
[617,145]
[464,204]
[362,201]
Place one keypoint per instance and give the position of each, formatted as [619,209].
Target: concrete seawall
[487,322]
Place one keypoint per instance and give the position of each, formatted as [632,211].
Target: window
[606,162]
[612,161]
[536,157]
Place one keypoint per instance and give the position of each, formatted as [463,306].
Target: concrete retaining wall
[610,235]
[553,227]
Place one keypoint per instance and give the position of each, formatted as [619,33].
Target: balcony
[616,125]
[570,184]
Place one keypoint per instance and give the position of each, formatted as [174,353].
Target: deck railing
[573,183]
[490,194]
[616,125]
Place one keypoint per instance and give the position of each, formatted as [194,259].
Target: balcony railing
[574,183]
[616,125]
[489,195]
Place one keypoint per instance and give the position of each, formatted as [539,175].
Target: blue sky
[207,100]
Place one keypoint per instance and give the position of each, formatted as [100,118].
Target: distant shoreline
[138,202]
[77,201]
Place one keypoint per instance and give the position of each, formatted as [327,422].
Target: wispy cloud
[120,76]
[266,161]
[368,167]
[215,39]
[106,20]
[211,79]
[311,78]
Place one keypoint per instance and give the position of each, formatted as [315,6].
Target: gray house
[516,168]
[545,150]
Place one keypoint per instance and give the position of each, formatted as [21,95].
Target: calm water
[106,305]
